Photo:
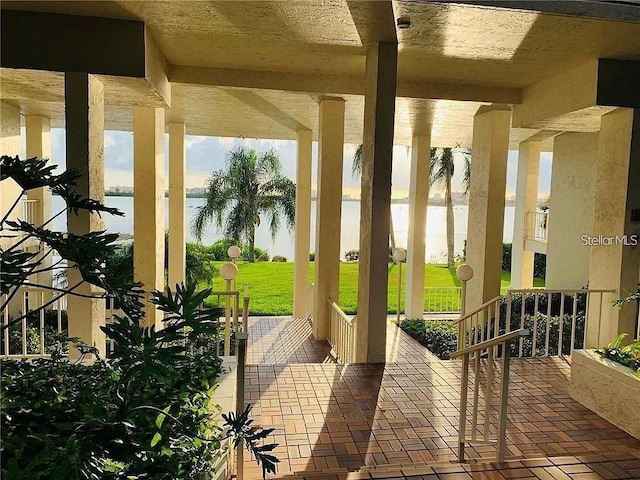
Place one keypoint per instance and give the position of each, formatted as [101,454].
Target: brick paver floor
[405,413]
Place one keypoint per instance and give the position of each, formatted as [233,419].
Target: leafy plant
[279,258]
[144,414]
[441,338]
[628,355]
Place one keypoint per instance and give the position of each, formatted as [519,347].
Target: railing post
[245,309]
[504,397]
[464,273]
[462,430]
[241,349]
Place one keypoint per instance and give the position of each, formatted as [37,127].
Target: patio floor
[390,421]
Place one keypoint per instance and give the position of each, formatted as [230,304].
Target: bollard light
[399,256]
[464,272]
[234,252]
[228,271]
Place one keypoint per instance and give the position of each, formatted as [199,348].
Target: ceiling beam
[338,85]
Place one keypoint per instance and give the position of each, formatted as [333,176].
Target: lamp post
[400,256]
[465,273]
[228,271]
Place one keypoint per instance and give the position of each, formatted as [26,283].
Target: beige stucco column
[84,130]
[328,211]
[148,204]
[9,145]
[303,226]
[573,177]
[375,201]
[38,133]
[486,202]
[177,205]
[526,201]
[416,243]
[615,264]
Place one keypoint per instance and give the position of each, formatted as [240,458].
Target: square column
[615,263]
[84,130]
[486,202]
[38,132]
[9,145]
[573,184]
[375,202]
[303,226]
[148,205]
[328,211]
[177,205]
[416,243]
[526,202]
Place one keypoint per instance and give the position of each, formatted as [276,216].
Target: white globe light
[228,271]
[234,251]
[464,272]
[400,255]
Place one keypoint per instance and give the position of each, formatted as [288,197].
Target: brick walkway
[405,413]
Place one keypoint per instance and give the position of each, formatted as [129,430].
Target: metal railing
[483,429]
[33,336]
[536,225]
[341,334]
[557,320]
[235,320]
[442,299]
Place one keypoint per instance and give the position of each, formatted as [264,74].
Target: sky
[206,154]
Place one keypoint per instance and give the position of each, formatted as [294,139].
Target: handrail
[505,337]
[339,311]
[479,309]
[566,291]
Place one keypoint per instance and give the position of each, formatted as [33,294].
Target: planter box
[609,389]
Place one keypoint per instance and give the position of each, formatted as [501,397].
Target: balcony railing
[557,320]
[536,225]
[341,334]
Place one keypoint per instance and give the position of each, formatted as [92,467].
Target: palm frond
[356,166]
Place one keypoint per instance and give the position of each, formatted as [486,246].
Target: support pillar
[9,145]
[573,178]
[486,202]
[328,211]
[303,226]
[84,129]
[148,205]
[38,132]
[615,263]
[526,202]
[375,202]
[177,205]
[416,243]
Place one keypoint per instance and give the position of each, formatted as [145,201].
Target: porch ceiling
[306,49]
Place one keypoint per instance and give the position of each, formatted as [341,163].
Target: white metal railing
[536,225]
[32,337]
[442,299]
[557,320]
[30,211]
[483,429]
[234,321]
[341,334]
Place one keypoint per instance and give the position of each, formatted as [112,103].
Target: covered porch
[400,419]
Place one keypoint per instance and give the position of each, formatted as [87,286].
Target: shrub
[312,257]
[441,338]
[352,255]
[261,255]
[629,355]
[279,258]
[539,261]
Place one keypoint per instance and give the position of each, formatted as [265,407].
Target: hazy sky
[205,154]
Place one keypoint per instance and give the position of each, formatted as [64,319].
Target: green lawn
[271,285]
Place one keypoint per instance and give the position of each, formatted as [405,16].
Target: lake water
[283,243]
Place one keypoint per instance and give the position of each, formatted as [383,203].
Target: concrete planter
[609,389]
[224,398]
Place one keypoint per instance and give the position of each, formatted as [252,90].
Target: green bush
[440,338]
[145,413]
[628,355]
[539,261]
[312,257]
[261,255]
[279,258]
[352,255]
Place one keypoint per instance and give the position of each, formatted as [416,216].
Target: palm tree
[251,185]
[441,170]
[356,172]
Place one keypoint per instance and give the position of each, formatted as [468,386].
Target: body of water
[283,244]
